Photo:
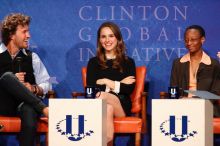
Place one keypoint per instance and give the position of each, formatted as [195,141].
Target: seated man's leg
[8,105]
[12,85]
[28,125]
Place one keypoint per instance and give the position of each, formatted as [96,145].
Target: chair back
[139,87]
[84,70]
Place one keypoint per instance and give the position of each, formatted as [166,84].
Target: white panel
[94,112]
[199,113]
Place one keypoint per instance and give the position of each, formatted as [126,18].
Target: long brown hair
[119,51]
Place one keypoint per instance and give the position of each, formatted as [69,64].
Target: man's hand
[21,76]
[218,54]
[46,111]
[29,86]
[128,80]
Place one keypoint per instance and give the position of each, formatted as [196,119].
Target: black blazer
[208,78]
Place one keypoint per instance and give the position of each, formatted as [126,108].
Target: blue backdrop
[64,35]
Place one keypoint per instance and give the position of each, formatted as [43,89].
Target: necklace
[110,57]
[12,55]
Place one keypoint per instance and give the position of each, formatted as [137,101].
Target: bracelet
[35,89]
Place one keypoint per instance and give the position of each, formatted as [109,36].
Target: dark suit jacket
[208,78]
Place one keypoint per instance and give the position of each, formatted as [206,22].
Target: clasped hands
[111,84]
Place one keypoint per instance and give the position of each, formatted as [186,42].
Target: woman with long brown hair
[113,73]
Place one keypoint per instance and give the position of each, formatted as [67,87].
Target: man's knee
[7,75]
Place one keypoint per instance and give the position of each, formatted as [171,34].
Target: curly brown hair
[120,48]
[10,24]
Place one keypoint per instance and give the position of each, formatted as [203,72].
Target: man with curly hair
[23,77]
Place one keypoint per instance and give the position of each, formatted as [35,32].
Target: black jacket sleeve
[91,75]
[130,70]
[216,78]
[174,74]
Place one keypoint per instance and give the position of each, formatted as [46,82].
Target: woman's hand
[101,81]
[107,82]
[128,80]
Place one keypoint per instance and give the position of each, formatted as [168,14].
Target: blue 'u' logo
[173,91]
[172,129]
[68,131]
[89,91]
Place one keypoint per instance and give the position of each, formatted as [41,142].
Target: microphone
[18,62]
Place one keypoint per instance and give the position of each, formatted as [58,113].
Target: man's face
[21,37]
[193,40]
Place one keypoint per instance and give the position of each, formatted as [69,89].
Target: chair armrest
[145,94]
[164,95]
[76,94]
[51,94]
[144,111]
[216,125]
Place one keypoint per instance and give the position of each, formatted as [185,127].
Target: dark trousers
[12,94]
[28,125]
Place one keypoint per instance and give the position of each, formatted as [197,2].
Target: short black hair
[197,27]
